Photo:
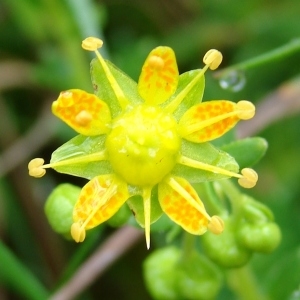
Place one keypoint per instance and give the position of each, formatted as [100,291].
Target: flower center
[143,145]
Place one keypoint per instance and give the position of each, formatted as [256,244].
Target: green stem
[243,284]
[233,194]
[188,245]
[276,54]
[18,278]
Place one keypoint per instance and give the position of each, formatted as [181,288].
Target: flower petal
[180,202]
[84,112]
[159,77]
[208,120]
[99,200]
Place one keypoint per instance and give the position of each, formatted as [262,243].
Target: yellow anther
[216,225]
[249,178]
[156,62]
[213,58]
[91,44]
[77,232]
[35,168]
[245,110]
[83,118]
[65,99]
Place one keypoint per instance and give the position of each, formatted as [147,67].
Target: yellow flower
[136,137]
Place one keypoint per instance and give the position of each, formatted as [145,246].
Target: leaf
[82,147]
[247,152]
[206,153]
[104,90]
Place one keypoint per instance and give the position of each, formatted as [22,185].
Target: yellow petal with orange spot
[99,200]
[208,120]
[159,77]
[84,112]
[182,204]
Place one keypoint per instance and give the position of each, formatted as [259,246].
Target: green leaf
[247,152]
[82,147]
[193,97]
[103,88]
[136,205]
[206,153]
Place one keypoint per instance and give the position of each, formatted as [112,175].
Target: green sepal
[136,205]
[206,153]
[247,152]
[59,208]
[79,147]
[198,277]
[193,97]
[104,91]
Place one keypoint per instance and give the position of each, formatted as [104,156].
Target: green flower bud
[259,237]
[224,249]
[59,208]
[160,273]
[198,278]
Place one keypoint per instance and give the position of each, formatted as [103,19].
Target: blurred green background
[40,55]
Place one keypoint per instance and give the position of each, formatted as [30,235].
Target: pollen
[245,110]
[248,179]
[36,169]
[156,62]
[216,225]
[213,58]
[91,44]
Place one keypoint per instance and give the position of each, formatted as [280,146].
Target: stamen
[36,168]
[147,212]
[65,99]
[245,110]
[216,225]
[156,62]
[181,191]
[77,232]
[92,44]
[247,178]
[213,58]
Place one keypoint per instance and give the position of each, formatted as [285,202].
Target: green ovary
[143,145]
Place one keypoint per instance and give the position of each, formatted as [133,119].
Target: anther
[249,178]
[83,118]
[245,110]
[216,225]
[77,232]
[35,168]
[91,44]
[213,58]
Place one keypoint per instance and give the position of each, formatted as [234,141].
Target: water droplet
[233,81]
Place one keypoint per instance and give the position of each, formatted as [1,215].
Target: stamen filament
[206,167]
[171,107]
[147,214]
[77,160]
[92,44]
[181,191]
